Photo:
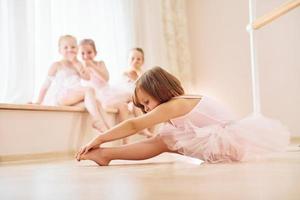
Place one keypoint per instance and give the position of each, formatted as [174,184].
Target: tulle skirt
[246,139]
[61,88]
[111,95]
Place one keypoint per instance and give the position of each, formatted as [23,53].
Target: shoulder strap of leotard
[188,96]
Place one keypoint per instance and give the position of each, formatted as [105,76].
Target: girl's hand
[89,63]
[132,75]
[83,150]
[84,72]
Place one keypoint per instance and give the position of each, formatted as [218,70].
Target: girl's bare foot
[97,156]
[147,133]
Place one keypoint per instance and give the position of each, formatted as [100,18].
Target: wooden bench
[31,132]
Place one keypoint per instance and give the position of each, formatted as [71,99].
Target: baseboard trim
[8,159]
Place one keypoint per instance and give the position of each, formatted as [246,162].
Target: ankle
[104,157]
[99,125]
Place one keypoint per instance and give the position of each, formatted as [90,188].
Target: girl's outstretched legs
[95,109]
[136,151]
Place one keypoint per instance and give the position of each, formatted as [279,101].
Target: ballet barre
[274,14]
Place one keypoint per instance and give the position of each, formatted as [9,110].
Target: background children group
[70,81]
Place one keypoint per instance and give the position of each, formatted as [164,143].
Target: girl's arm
[162,113]
[83,71]
[100,69]
[131,74]
[51,73]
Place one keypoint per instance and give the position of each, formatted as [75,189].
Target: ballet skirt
[96,81]
[65,79]
[211,132]
[119,92]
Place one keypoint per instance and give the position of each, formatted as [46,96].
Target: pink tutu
[224,140]
[112,94]
[65,81]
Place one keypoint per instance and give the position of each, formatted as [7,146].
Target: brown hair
[89,42]
[63,37]
[158,83]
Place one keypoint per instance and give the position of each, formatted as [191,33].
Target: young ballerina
[98,79]
[195,126]
[136,60]
[62,86]
[119,96]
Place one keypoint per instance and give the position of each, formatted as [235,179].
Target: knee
[123,108]
[61,101]
[69,99]
[163,145]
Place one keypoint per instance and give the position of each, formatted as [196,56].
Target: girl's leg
[123,113]
[148,132]
[95,108]
[136,151]
[71,97]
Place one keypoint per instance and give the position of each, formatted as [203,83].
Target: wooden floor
[165,177]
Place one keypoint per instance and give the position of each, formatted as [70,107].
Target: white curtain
[29,31]
[175,30]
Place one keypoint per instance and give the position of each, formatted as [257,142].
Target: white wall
[220,55]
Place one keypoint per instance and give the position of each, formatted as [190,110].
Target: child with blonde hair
[194,126]
[97,81]
[62,86]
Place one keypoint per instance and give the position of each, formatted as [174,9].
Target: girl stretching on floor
[195,126]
